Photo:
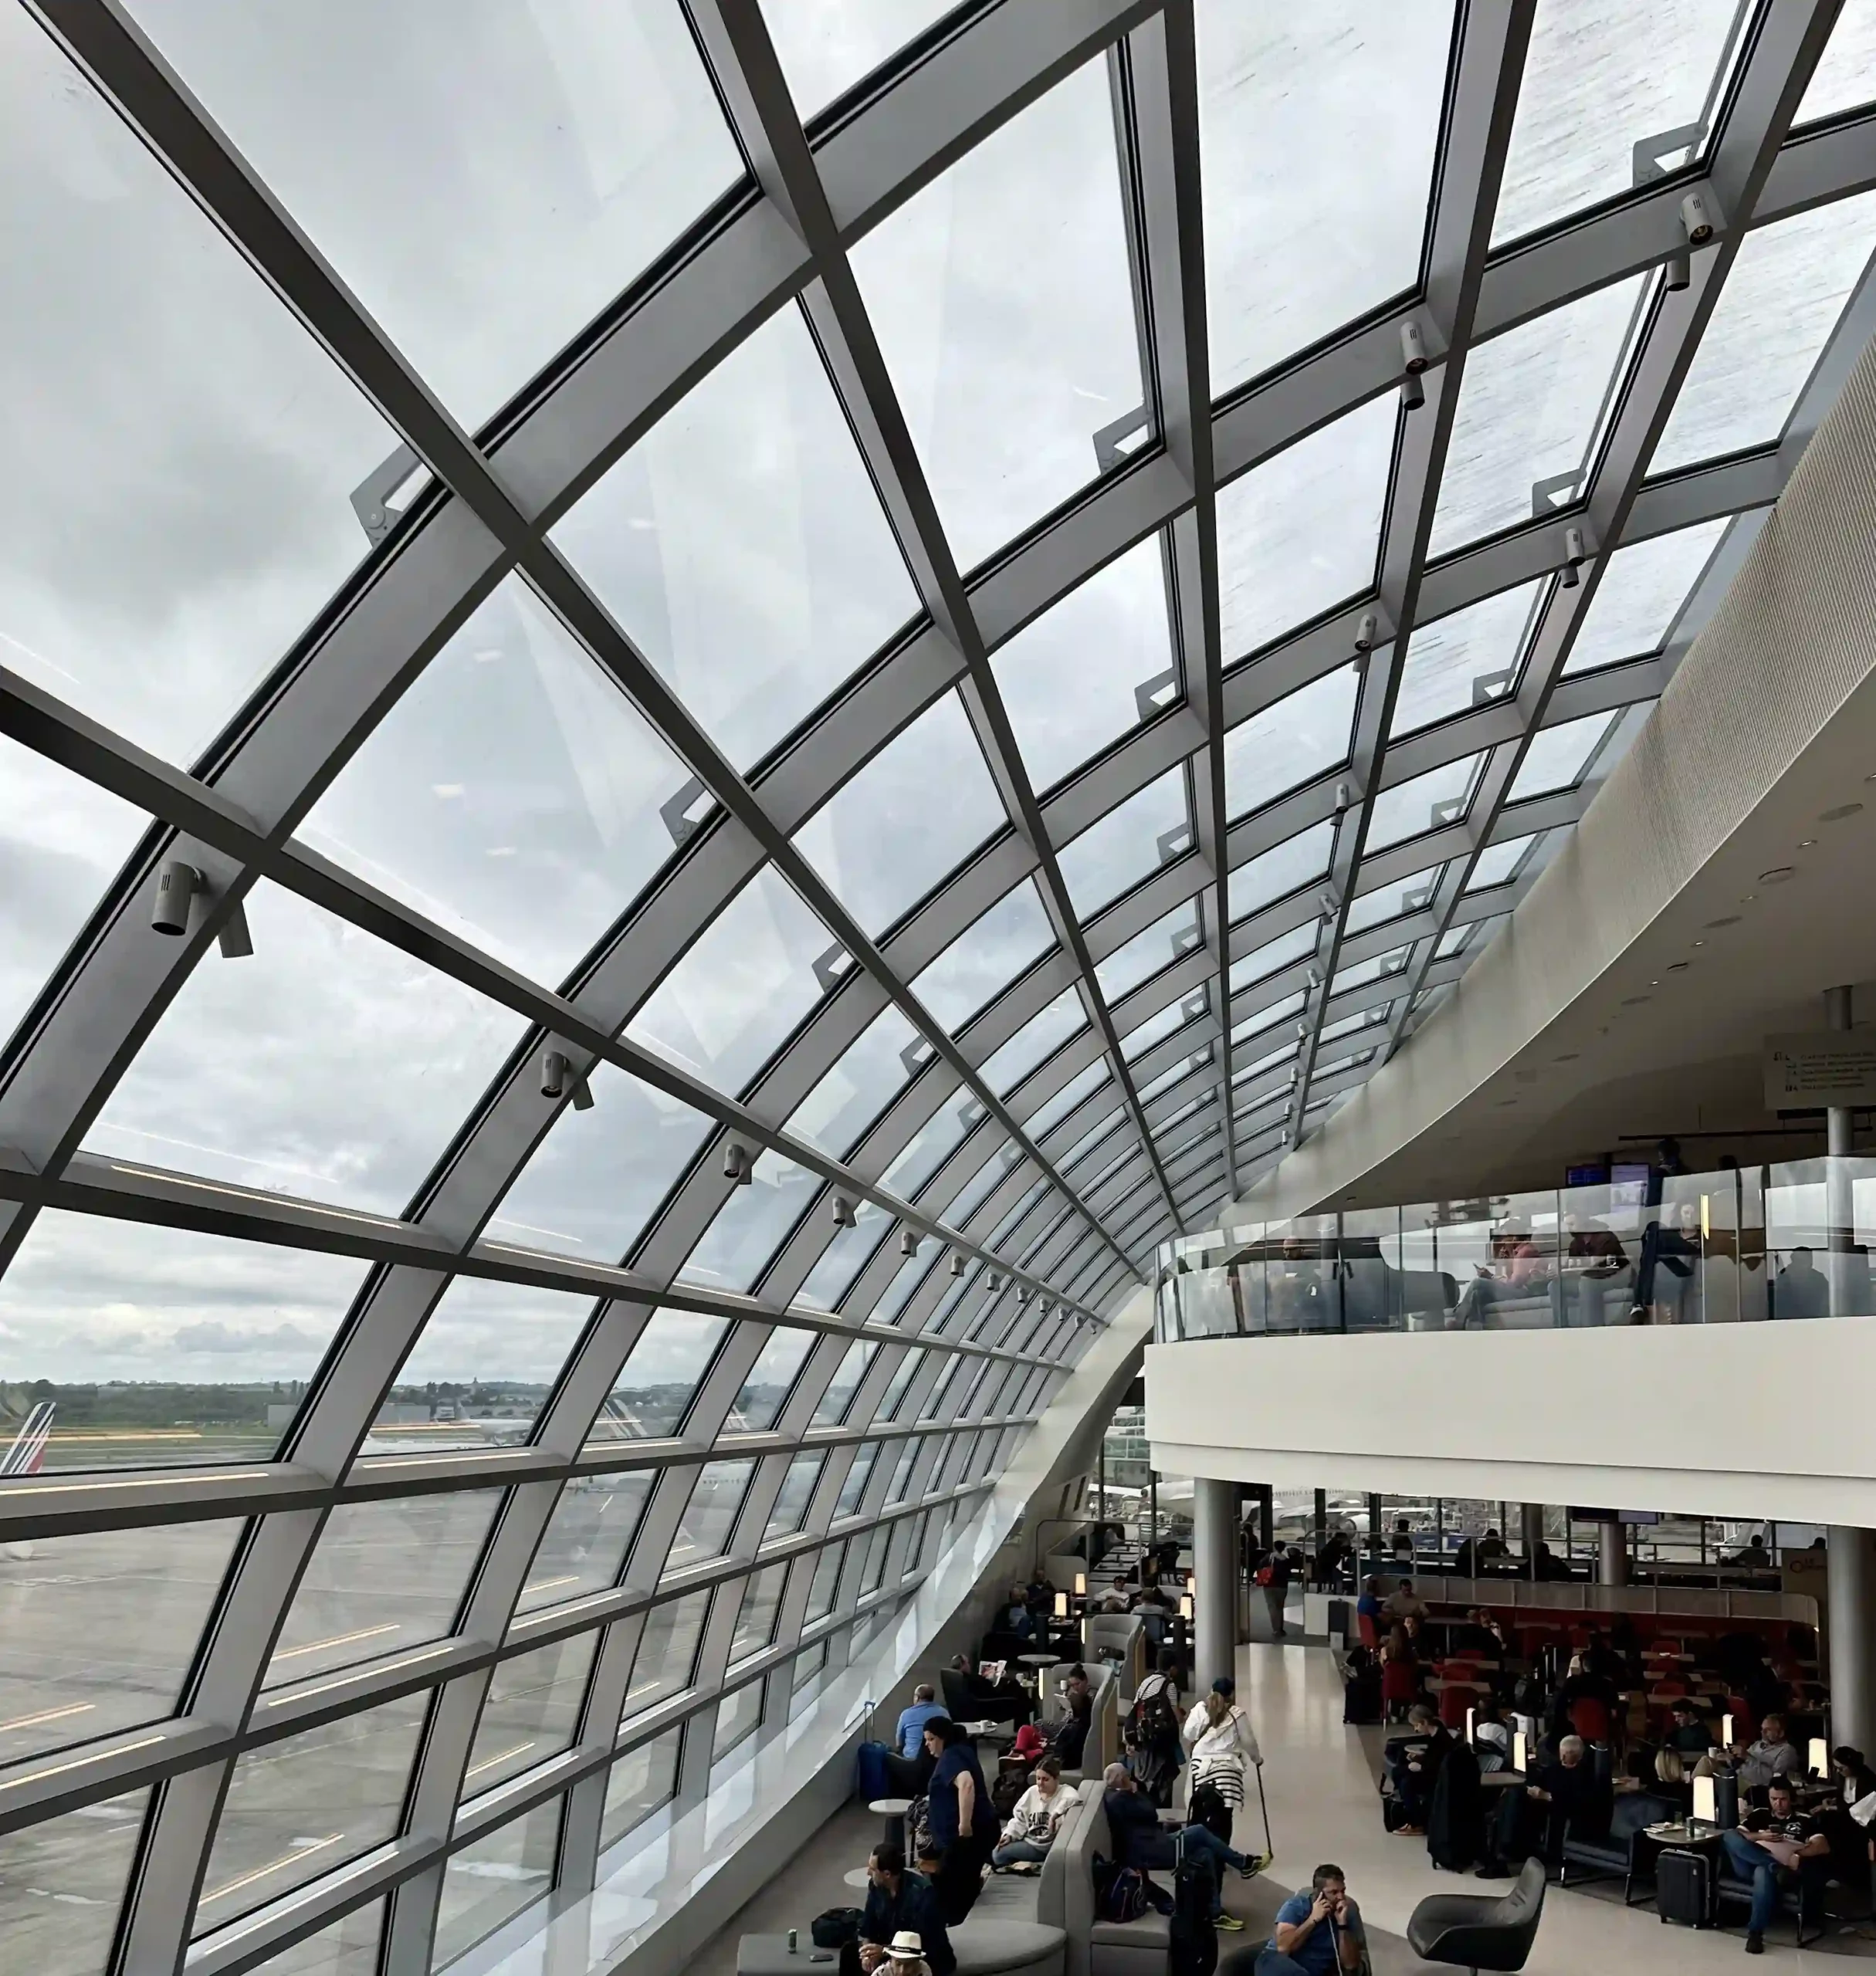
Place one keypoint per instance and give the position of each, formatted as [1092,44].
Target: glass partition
[1641,1247]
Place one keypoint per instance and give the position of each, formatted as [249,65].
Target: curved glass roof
[702,708]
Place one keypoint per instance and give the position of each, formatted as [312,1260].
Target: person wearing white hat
[906,1954]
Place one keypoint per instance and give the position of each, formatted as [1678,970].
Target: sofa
[1096,1947]
[1119,1639]
[1103,1744]
[1021,1915]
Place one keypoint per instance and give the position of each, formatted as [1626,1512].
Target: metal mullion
[1024,999]
[1476,135]
[1170,275]
[737,42]
[1791,35]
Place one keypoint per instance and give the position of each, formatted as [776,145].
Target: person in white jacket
[1035,1819]
[1218,1734]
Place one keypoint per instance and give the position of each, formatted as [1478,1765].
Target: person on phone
[898,1902]
[1317,1932]
[1774,1848]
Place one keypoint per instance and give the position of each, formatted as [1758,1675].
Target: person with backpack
[1142,1843]
[1035,1818]
[1218,1734]
[1155,1752]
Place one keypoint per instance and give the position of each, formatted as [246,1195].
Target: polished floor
[1321,1777]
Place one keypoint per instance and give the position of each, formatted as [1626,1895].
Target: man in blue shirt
[1317,1934]
[912,1721]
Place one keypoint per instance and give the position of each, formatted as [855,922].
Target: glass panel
[1084,1083]
[71,1668]
[1390,901]
[901,1383]
[1272,86]
[755,1618]
[1775,315]
[666,1661]
[843,1384]
[301,1808]
[1641,595]
[348,1948]
[542,155]
[704,1529]
[385,1577]
[1003,307]
[751,1225]
[1845,78]
[985,958]
[931,1145]
[1441,796]
[638,1784]
[724,1010]
[1558,756]
[587,1539]
[592,1184]
[157,1347]
[1128,843]
[1304,734]
[1600,77]
[736,1717]
[493,1879]
[1069,679]
[770,1380]
[62,841]
[207,441]
[906,1279]
[1300,532]
[795,1493]
[513,793]
[1274,874]
[1531,409]
[1039,1037]
[835,1114]
[901,1481]
[742,545]
[1143,956]
[63,1883]
[532,1712]
[827,45]
[1496,863]
[1171,1019]
[1285,949]
[839,1264]
[482,1367]
[660,1378]
[854,1487]
[1467,659]
[326,1064]
[881,843]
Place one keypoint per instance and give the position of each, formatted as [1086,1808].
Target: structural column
[1612,1553]
[1853,1636]
[1839,1210]
[1532,1514]
[1214,1568]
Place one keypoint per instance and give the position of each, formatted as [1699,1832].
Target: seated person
[1029,1744]
[1594,1256]
[1491,1548]
[1581,1684]
[1035,1818]
[1361,1688]
[1404,1600]
[1689,1733]
[1774,1848]
[910,1765]
[1070,1739]
[1140,1840]
[1491,1737]
[1413,1762]
[898,1902]
[1855,1780]
[1007,1701]
[1368,1606]
[1801,1290]
[1579,1799]
[1017,1618]
[1671,1250]
[1771,1755]
[1317,1932]
[1520,1268]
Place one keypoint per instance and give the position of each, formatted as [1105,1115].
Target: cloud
[213,1335]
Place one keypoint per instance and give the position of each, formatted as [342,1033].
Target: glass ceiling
[611,868]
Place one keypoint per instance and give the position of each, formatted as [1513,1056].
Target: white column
[1214,1565]
[1853,1636]
[1839,1211]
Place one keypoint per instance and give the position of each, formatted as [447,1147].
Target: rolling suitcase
[1685,1888]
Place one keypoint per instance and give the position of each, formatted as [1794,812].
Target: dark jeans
[1769,1879]
[1274,1962]
[959,1878]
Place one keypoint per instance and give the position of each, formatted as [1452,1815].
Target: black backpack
[1194,1944]
[836,1926]
[1207,1807]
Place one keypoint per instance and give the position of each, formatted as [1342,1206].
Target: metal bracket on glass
[1187,938]
[1122,438]
[677,811]
[1155,695]
[917,1054]
[1448,812]
[971,1114]
[1646,159]
[1195,1005]
[1419,896]
[375,499]
[1490,686]
[1544,492]
[1174,842]
[833,967]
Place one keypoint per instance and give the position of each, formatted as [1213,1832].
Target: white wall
[1744,1420]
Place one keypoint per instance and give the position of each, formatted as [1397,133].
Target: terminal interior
[866,864]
